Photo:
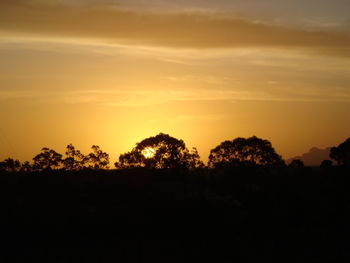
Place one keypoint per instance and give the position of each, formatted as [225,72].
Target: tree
[131,159]
[192,159]
[48,159]
[160,152]
[97,159]
[240,152]
[296,164]
[341,153]
[10,165]
[74,160]
[26,167]
[326,164]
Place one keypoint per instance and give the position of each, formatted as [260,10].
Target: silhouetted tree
[326,164]
[131,159]
[192,159]
[10,165]
[97,159]
[26,167]
[48,159]
[164,152]
[341,153]
[240,152]
[74,160]
[297,163]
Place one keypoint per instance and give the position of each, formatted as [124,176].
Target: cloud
[122,98]
[144,98]
[176,30]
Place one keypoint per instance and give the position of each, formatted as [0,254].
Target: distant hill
[314,157]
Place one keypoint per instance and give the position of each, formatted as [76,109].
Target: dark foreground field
[166,216]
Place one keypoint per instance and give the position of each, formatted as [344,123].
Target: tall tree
[48,159]
[98,159]
[74,160]
[240,152]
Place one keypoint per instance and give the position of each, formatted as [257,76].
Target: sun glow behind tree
[148,152]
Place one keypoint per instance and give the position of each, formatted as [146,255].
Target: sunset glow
[115,72]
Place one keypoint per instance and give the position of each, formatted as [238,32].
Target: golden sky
[112,73]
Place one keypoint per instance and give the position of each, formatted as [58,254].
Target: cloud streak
[144,98]
[175,30]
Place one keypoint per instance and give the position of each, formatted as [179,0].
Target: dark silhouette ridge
[255,211]
[138,215]
[313,157]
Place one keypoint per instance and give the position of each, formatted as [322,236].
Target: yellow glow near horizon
[203,78]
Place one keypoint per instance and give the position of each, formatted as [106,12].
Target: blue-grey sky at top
[311,13]
[327,15]
[324,11]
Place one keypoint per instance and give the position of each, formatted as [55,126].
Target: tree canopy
[74,160]
[240,152]
[48,159]
[10,165]
[160,152]
[97,159]
[341,153]
[296,163]
[166,152]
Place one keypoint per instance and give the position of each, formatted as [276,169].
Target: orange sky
[111,74]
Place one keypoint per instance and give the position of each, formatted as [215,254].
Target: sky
[112,73]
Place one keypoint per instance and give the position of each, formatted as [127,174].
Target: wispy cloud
[181,30]
[142,98]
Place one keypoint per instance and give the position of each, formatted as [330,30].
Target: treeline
[49,159]
[165,152]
